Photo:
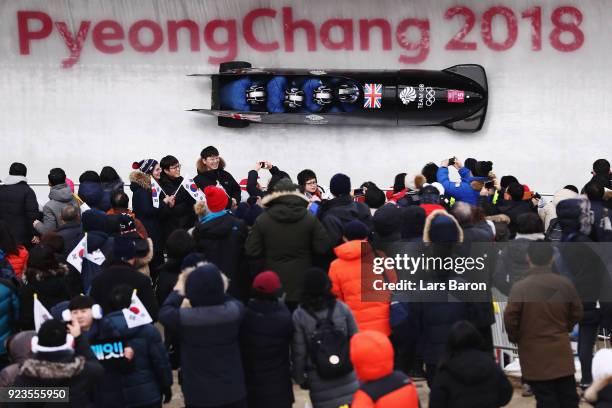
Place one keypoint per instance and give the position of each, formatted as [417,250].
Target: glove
[167,394]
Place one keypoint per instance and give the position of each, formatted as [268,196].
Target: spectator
[309,186]
[60,359]
[463,212]
[467,190]
[345,275]
[601,173]
[59,197]
[381,387]
[468,375]
[149,377]
[18,204]
[50,280]
[601,230]
[430,172]
[178,210]
[600,393]
[122,270]
[211,367]
[542,309]
[387,223]
[220,236]
[9,315]
[179,245]
[111,183]
[287,236]
[413,224]
[70,228]
[514,205]
[91,191]
[119,202]
[341,209]
[19,348]
[15,254]
[253,187]
[548,213]
[87,314]
[318,304]
[429,199]
[265,340]
[211,172]
[374,197]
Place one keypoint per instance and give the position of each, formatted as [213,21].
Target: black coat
[470,379]
[142,205]
[211,366]
[167,275]
[222,241]
[79,371]
[119,273]
[182,215]
[18,208]
[226,180]
[513,209]
[72,233]
[335,213]
[265,340]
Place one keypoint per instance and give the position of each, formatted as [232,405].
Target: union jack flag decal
[372,96]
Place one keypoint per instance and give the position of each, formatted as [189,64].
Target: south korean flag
[137,314]
[190,186]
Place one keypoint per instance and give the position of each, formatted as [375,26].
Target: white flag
[75,257]
[155,192]
[41,314]
[96,257]
[84,207]
[136,315]
[190,186]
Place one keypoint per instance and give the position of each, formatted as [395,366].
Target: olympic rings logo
[430,95]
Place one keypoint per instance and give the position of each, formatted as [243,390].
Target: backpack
[329,348]
[554,233]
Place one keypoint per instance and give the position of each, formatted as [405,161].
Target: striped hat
[146,165]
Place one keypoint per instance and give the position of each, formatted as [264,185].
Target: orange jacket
[345,274]
[19,261]
[372,357]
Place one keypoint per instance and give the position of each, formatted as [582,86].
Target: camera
[358,192]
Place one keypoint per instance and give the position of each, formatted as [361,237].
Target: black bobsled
[455,97]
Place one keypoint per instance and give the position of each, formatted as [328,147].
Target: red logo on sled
[455,96]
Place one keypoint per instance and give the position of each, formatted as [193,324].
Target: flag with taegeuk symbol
[137,314]
[155,192]
[190,186]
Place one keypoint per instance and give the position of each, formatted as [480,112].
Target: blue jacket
[210,353]
[9,312]
[150,369]
[462,191]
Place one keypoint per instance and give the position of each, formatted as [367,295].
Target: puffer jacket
[182,215]
[20,349]
[337,212]
[59,197]
[18,207]
[19,261]
[142,204]
[345,275]
[381,387]
[150,370]
[9,312]
[108,188]
[324,393]
[92,193]
[461,191]
[219,177]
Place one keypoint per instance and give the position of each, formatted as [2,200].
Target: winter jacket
[381,387]
[72,233]
[265,340]
[211,366]
[79,371]
[549,211]
[20,350]
[108,188]
[9,312]
[167,275]
[252,177]
[542,309]
[19,261]
[287,235]
[18,208]
[59,197]
[514,209]
[477,233]
[91,193]
[324,393]
[51,287]
[182,215]
[222,241]
[601,216]
[470,379]
[345,275]
[149,371]
[462,190]
[140,228]
[142,204]
[337,212]
[219,178]
[599,394]
[118,273]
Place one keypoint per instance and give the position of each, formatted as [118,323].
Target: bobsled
[455,97]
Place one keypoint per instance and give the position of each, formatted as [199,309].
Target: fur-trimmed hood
[592,393]
[145,260]
[431,217]
[499,218]
[52,370]
[202,168]
[278,194]
[182,278]
[286,206]
[141,179]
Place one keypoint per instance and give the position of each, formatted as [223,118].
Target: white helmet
[294,97]
[323,95]
[255,94]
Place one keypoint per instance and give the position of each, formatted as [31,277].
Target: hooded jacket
[9,312]
[142,204]
[19,261]
[549,211]
[59,197]
[18,207]
[345,275]
[219,177]
[20,349]
[108,188]
[381,387]
[337,212]
[92,193]
[470,379]
[287,235]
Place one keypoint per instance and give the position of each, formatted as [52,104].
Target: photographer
[253,187]
[468,189]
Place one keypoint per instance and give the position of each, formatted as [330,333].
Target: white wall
[549,115]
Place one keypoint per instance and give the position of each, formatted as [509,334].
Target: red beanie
[267,282]
[216,198]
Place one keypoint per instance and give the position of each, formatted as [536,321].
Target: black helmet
[322,95]
[294,97]
[255,94]
[348,93]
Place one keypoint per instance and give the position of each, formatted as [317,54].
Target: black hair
[374,196]
[179,244]
[18,169]
[399,182]
[56,176]
[601,167]
[540,253]
[305,175]
[430,172]
[168,161]
[119,199]
[90,176]
[516,191]
[41,258]
[54,241]
[505,181]
[594,191]
[529,223]
[209,151]
[108,175]
[572,187]
[316,294]
[463,336]
[120,297]
[8,244]
[276,178]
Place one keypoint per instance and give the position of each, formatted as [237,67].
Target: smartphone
[358,192]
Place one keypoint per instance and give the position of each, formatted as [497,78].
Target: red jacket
[345,275]
[372,357]
[19,261]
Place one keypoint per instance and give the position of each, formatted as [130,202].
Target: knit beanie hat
[52,337]
[285,184]
[124,248]
[316,282]
[267,282]
[442,227]
[340,184]
[145,165]
[414,221]
[355,229]
[387,220]
[204,286]
[216,198]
